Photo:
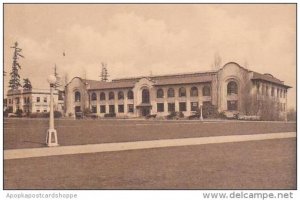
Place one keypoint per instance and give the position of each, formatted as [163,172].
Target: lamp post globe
[51,138]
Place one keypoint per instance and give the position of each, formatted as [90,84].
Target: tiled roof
[184,80]
[109,85]
[269,78]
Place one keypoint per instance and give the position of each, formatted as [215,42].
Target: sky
[137,39]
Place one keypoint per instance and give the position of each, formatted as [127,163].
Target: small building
[231,89]
[34,100]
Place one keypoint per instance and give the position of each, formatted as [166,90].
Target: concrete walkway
[106,147]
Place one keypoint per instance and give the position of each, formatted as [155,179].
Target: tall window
[160,93]
[272,91]
[94,109]
[194,92]
[145,96]
[171,107]
[160,107]
[102,96]
[182,92]
[45,99]
[206,91]
[232,88]
[120,95]
[232,105]
[102,109]
[38,99]
[194,106]
[121,108]
[182,106]
[94,96]
[111,95]
[171,92]
[130,108]
[77,96]
[130,94]
[111,108]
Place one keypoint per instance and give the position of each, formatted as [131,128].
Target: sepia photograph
[150,97]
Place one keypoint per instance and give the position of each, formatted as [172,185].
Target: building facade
[231,89]
[34,100]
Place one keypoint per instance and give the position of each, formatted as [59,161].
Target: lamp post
[51,138]
[201,117]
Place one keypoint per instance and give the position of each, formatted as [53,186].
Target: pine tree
[104,73]
[27,84]
[14,82]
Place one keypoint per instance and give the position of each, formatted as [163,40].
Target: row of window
[206,91]
[111,108]
[26,100]
[265,91]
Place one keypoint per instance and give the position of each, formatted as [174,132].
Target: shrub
[57,114]
[210,111]
[19,112]
[110,115]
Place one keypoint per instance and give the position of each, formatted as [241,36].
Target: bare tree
[217,63]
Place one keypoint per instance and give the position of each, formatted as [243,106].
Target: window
[145,96]
[232,105]
[102,96]
[232,88]
[194,92]
[120,95]
[160,107]
[257,88]
[102,109]
[94,109]
[9,101]
[121,108]
[17,100]
[182,106]
[94,96]
[111,95]
[194,106]
[45,111]
[111,108]
[130,94]
[38,99]
[267,90]
[25,100]
[272,91]
[160,93]
[206,91]
[60,95]
[182,92]
[28,100]
[130,108]
[45,99]
[171,107]
[171,92]
[38,111]
[77,97]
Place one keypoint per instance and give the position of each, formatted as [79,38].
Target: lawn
[32,133]
[269,164]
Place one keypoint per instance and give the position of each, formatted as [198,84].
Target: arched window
[206,91]
[182,92]
[94,96]
[77,96]
[111,95]
[130,94]
[171,92]
[120,95]
[194,92]
[145,96]
[232,88]
[102,96]
[160,93]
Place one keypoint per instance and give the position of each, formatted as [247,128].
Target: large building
[33,100]
[231,89]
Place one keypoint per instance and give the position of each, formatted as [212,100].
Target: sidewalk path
[123,146]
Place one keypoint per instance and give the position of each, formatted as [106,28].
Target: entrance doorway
[145,111]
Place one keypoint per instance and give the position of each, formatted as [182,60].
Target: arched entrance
[145,106]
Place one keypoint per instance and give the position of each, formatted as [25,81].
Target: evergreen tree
[27,84]
[14,82]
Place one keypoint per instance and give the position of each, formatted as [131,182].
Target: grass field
[32,133]
[269,164]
